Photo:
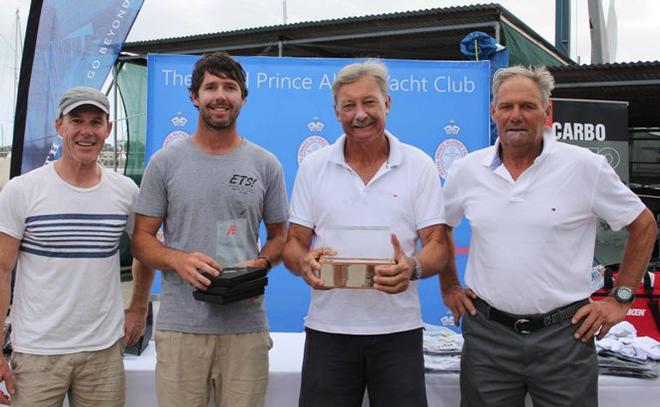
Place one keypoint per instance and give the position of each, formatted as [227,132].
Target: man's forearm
[273,250]
[637,252]
[298,242]
[143,277]
[5,294]
[448,275]
[276,239]
[293,256]
[155,255]
[435,252]
[8,254]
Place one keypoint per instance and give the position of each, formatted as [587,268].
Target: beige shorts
[189,366]
[94,379]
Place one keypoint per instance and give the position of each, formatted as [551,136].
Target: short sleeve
[429,203]
[453,200]
[134,193]
[612,200]
[275,204]
[152,200]
[12,209]
[302,203]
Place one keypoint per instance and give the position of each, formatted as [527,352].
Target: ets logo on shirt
[243,184]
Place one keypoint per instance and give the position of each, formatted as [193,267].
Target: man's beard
[207,118]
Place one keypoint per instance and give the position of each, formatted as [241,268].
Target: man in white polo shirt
[372,338]
[533,205]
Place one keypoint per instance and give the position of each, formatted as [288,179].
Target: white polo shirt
[404,194]
[533,239]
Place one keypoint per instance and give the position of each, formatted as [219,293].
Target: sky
[637,22]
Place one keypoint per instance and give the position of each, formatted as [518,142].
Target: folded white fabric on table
[622,339]
[441,340]
[442,349]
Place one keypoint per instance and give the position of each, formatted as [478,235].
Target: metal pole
[17,32]
[563,26]
[114,128]
[17,42]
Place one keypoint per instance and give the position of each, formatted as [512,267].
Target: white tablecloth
[442,389]
[284,381]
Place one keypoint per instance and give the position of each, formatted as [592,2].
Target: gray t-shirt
[212,204]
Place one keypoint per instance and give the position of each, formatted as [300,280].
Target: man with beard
[533,204]
[366,338]
[211,192]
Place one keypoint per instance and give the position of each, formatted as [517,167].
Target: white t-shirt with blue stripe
[67,294]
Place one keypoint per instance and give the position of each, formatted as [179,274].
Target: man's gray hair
[539,74]
[353,72]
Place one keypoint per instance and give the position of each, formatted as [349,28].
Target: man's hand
[459,301]
[134,322]
[257,263]
[311,268]
[395,278]
[190,265]
[599,316]
[5,376]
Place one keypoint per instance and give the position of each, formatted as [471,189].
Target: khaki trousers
[189,366]
[94,379]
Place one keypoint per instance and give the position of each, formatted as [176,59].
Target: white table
[284,380]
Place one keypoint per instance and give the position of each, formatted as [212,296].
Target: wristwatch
[623,294]
[417,271]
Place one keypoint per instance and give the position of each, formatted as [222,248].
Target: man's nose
[516,113]
[220,95]
[86,129]
[360,113]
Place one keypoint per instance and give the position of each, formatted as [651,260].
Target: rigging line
[7,41]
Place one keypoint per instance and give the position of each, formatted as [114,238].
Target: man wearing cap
[533,205]
[63,223]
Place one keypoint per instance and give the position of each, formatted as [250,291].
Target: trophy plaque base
[344,272]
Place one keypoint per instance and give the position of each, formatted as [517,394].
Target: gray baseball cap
[82,95]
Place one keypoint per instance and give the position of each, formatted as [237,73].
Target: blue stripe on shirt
[98,225]
[80,216]
[49,245]
[70,255]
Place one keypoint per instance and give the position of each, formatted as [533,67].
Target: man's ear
[548,111]
[195,99]
[109,129]
[58,124]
